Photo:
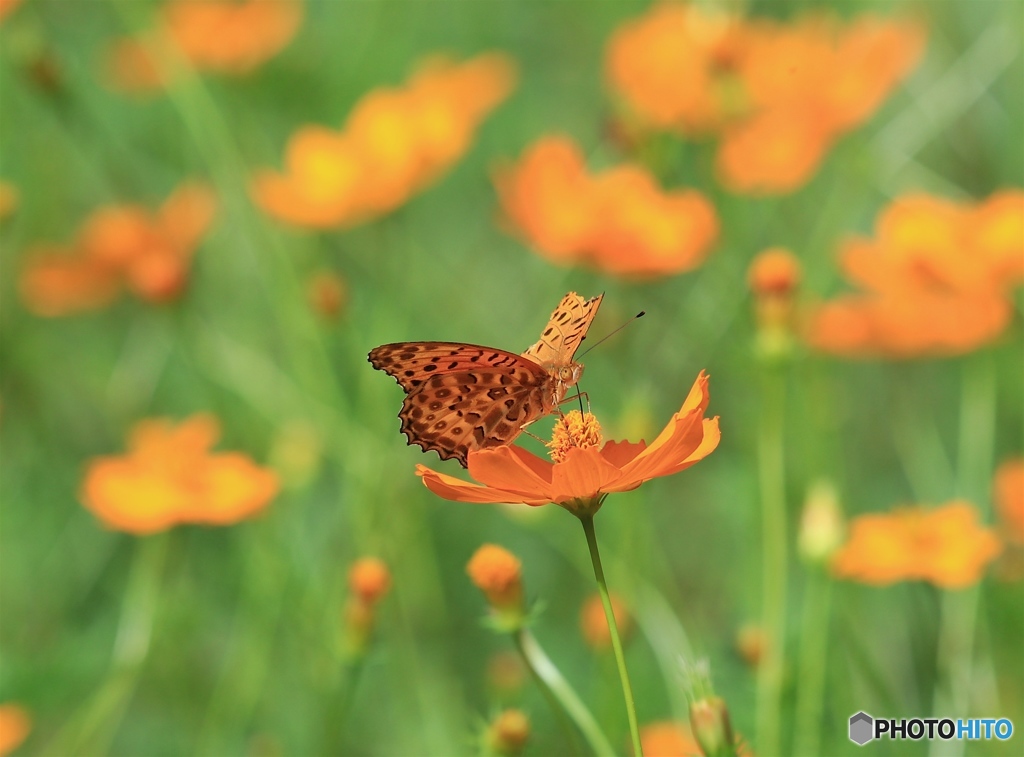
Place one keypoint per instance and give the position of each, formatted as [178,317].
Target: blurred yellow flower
[210,35]
[121,246]
[594,623]
[169,477]
[1008,493]
[395,142]
[779,94]
[945,546]
[15,725]
[618,221]
[936,279]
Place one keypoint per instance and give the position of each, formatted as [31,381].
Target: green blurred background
[221,641]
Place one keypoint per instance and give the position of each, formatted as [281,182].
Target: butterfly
[465,397]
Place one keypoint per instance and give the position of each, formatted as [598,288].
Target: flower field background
[214,539]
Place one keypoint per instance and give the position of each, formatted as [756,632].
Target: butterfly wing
[461,397]
[461,411]
[565,331]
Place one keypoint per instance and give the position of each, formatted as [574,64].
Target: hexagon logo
[862,728]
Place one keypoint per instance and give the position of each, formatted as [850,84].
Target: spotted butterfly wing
[465,397]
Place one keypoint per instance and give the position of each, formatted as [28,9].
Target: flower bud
[774,277]
[505,674]
[509,732]
[327,293]
[751,643]
[369,579]
[709,719]
[821,524]
[498,574]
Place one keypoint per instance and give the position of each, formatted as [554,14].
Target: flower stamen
[573,430]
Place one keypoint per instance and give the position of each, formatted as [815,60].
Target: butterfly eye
[565,373]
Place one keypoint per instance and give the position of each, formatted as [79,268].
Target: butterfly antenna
[608,336]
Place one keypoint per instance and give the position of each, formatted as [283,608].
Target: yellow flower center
[574,429]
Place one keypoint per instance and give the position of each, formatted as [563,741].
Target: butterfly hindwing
[456,413]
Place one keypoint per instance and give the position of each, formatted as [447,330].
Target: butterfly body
[463,397]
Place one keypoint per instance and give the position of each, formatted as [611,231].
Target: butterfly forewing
[465,397]
[565,330]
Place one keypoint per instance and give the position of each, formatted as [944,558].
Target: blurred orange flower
[1008,493]
[667,738]
[15,725]
[778,93]
[369,579]
[594,623]
[169,476]
[936,279]
[327,293]
[499,575]
[8,200]
[121,246]
[584,473]
[617,221]
[7,6]
[210,35]
[945,546]
[395,142]
[670,66]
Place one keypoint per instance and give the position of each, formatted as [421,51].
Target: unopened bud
[498,574]
[821,524]
[709,720]
[509,732]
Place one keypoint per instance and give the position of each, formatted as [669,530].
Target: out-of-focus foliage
[280,186]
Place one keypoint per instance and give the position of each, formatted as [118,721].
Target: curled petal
[457,490]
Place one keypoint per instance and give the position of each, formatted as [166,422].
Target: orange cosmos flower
[945,546]
[670,67]
[668,739]
[1008,491]
[395,142]
[210,35]
[779,94]
[121,246]
[935,278]
[169,476]
[618,221]
[583,472]
[15,725]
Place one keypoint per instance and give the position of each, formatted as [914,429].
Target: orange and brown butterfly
[465,397]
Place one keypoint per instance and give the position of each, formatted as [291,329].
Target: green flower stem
[960,608]
[94,729]
[810,695]
[771,470]
[560,695]
[620,658]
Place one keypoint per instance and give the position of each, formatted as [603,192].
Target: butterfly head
[568,375]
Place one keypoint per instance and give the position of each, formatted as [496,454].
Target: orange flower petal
[457,490]
[620,453]
[501,468]
[581,475]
